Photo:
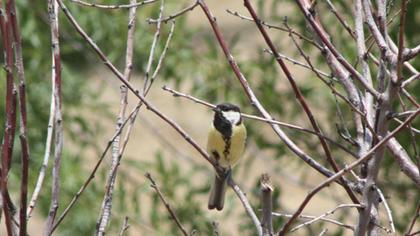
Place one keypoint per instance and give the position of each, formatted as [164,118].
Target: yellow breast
[216,144]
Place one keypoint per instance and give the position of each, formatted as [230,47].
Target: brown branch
[413,221]
[17,42]
[23,117]
[325,183]
[299,97]
[113,7]
[10,115]
[271,26]
[168,207]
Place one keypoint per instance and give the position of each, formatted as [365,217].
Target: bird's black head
[226,115]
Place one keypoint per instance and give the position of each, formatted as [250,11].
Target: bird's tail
[217,195]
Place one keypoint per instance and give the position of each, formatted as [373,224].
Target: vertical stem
[58,132]
[23,115]
[10,126]
[106,208]
[266,205]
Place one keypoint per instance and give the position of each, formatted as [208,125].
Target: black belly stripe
[226,152]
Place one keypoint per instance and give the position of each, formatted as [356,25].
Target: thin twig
[106,208]
[296,62]
[271,26]
[413,221]
[400,56]
[387,209]
[324,231]
[113,7]
[330,212]
[173,15]
[168,207]
[350,227]
[152,50]
[247,206]
[124,227]
[47,152]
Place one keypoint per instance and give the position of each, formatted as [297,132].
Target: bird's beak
[215,109]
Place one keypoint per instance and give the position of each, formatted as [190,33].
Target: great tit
[225,144]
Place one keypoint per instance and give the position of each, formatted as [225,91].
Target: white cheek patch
[232,116]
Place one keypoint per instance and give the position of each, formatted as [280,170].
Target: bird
[225,145]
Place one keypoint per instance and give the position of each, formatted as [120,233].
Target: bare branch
[113,7]
[365,158]
[400,57]
[404,161]
[271,26]
[387,209]
[92,174]
[58,124]
[413,221]
[173,16]
[350,227]
[246,205]
[10,117]
[47,152]
[124,227]
[168,207]
[330,212]
[152,50]
[266,205]
[411,53]
[17,45]
[106,208]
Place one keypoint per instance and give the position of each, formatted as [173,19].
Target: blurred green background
[195,65]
